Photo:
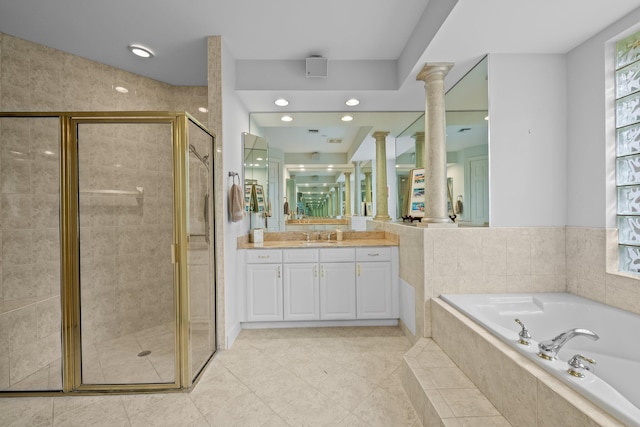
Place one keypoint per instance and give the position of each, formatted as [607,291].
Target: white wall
[527,140]
[235,120]
[590,123]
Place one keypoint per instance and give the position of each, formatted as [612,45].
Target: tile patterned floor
[271,377]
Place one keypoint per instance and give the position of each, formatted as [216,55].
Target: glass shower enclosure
[107,268]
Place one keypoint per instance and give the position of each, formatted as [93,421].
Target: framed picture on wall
[247,197]
[416,193]
[260,198]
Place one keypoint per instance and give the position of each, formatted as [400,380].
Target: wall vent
[334,140]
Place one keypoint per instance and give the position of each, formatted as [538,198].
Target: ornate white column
[435,156]
[357,190]
[419,138]
[347,194]
[382,209]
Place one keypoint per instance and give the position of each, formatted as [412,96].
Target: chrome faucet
[577,365]
[524,335]
[549,349]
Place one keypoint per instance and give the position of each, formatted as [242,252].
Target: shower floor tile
[270,377]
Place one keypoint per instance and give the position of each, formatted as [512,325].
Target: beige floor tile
[108,411]
[270,378]
[280,390]
[26,411]
[382,408]
[353,421]
[468,402]
[174,410]
[313,409]
[497,421]
[448,378]
[246,410]
[215,391]
[346,388]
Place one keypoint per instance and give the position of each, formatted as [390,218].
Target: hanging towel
[236,202]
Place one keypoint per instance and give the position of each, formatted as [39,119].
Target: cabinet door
[337,291]
[374,286]
[264,292]
[301,293]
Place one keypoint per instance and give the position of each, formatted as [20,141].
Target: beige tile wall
[465,260]
[37,78]
[30,251]
[587,269]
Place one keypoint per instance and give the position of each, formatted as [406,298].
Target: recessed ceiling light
[281,102]
[259,158]
[346,118]
[121,89]
[286,118]
[141,51]
[352,102]
[203,110]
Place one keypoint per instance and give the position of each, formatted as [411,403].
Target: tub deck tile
[441,394]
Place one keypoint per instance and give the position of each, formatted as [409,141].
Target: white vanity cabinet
[264,285]
[301,284]
[337,284]
[374,283]
[319,284]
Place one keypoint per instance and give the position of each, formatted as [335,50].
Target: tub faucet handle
[577,365]
[524,335]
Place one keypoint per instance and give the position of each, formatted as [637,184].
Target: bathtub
[614,385]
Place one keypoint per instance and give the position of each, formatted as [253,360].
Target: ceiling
[374,49]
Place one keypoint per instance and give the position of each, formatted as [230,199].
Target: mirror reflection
[322,170]
[467,134]
[256,179]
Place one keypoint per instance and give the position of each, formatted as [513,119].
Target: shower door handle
[206,218]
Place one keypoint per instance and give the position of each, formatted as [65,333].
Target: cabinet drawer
[264,256]
[373,254]
[337,255]
[300,255]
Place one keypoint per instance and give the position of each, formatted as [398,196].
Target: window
[628,151]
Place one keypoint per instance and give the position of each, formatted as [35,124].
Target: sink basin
[319,244]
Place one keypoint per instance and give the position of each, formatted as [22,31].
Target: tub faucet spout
[549,349]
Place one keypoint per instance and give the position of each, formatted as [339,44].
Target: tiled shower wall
[37,78]
[126,277]
[30,256]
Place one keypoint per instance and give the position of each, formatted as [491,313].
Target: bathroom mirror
[467,135]
[310,157]
[256,178]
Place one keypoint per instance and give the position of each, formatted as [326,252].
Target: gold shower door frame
[70,250]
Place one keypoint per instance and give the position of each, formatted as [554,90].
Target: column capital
[347,173]
[380,135]
[434,70]
[418,136]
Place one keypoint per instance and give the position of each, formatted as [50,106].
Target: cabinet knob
[279,272]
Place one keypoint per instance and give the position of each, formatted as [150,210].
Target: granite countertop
[286,240]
